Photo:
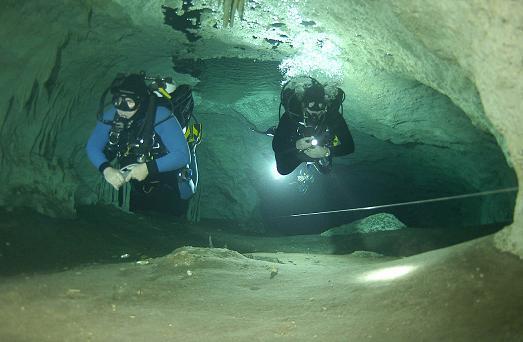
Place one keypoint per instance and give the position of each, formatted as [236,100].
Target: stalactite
[230,7]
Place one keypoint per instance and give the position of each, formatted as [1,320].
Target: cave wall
[489,50]
[426,147]
[60,57]
[482,39]
[460,49]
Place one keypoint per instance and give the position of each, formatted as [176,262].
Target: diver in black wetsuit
[312,129]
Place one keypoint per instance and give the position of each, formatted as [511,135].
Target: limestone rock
[371,224]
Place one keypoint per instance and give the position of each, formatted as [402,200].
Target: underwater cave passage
[404,153]
[412,145]
[400,236]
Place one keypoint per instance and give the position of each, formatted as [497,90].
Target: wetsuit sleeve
[284,145]
[341,130]
[171,134]
[96,144]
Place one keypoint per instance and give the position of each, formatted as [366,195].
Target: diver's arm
[96,144]
[171,134]
[284,145]
[341,130]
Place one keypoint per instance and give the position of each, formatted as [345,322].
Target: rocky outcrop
[371,224]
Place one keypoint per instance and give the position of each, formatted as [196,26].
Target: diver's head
[314,104]
[129,94]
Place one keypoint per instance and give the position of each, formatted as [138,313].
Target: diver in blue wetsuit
[139,142]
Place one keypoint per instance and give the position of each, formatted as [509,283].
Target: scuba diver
[312,128]
[143,139]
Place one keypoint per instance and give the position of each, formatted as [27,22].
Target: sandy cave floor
[466,292]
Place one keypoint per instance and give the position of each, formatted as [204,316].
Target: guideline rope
[431,200]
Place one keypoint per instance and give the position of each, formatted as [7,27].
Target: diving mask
[314,112]
[125,102]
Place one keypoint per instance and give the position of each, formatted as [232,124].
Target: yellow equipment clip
[193,134]
[164,93]
[336,141]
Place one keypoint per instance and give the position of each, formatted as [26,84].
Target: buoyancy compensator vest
[127,145]
[134,140]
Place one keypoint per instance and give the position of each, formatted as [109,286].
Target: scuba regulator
[132,129]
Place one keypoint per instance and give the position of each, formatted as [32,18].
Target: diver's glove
[304,143]
[114,177]
[137,171]
[317,152]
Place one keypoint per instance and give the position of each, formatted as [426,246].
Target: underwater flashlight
[314,141]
